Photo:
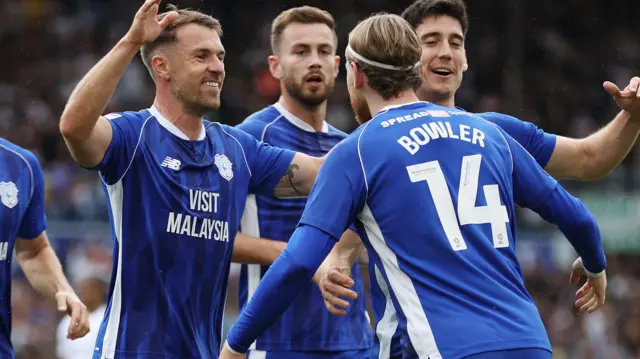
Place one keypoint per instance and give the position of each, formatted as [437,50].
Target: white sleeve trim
[226,345]
[594,275]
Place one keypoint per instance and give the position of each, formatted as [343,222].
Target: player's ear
[161,67]
[274,67]
[337,65]
[465,64]
[358,76]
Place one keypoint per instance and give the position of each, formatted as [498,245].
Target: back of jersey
[439,222]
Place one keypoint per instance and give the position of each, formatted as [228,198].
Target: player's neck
[173,111]
[377,103]
[440,100]
[314,117]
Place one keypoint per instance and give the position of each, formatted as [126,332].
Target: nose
[444,51]
[216,65]
[314,60]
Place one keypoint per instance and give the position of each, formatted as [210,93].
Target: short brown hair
[390,40]
[302,15]
[421,9]
[168,35]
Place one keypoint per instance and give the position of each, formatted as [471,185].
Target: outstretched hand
[592,295]
[146,26]
[627,99]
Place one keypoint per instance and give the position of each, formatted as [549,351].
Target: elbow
[73,126]
[66,127]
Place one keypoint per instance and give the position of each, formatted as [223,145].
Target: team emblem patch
[9,194]
[224,166]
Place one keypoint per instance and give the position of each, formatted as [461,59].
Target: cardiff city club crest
[9,194]
[224,166]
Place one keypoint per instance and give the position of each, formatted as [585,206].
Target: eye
[431,42]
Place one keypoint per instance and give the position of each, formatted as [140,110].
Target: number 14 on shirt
[493,213]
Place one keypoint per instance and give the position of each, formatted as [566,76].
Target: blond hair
[169,34]
[390,40]
[301,15]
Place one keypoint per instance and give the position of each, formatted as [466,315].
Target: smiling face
[196,68]
[443,60]
[306,63]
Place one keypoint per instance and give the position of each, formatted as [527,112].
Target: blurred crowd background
[543,61]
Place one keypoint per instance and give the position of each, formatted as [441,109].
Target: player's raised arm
[535,189]
[595,156]
[86,133]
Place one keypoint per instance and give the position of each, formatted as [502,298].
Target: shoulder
[503,120]
[131,116]
[22,155]
[257,123]
[230,135]
[129,122]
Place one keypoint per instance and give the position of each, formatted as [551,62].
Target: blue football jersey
[388,336]
[433,190]
[21,216]
[306,325]
[175,206]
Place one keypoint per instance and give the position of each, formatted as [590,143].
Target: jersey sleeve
[34,221]
[267,164]
[535,189]
[339,193]
[531,184]
[537,142]
[126,133]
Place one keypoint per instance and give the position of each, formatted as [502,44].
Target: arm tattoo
[289,185]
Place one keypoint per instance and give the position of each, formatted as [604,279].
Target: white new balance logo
[171,163]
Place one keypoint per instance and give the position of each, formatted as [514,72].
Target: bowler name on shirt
[200,227]
[427,132]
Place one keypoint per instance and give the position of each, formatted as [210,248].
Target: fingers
[582,301]
[338,291]
[611,88]
[62,302]
[583,290]
[148,4]
[590,305]
[577,270]
[574,278]
[79,323]
[632,89]
[634,84]
[337,277]
[168,19]
[333,310]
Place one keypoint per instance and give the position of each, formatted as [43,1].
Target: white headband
[379,64]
